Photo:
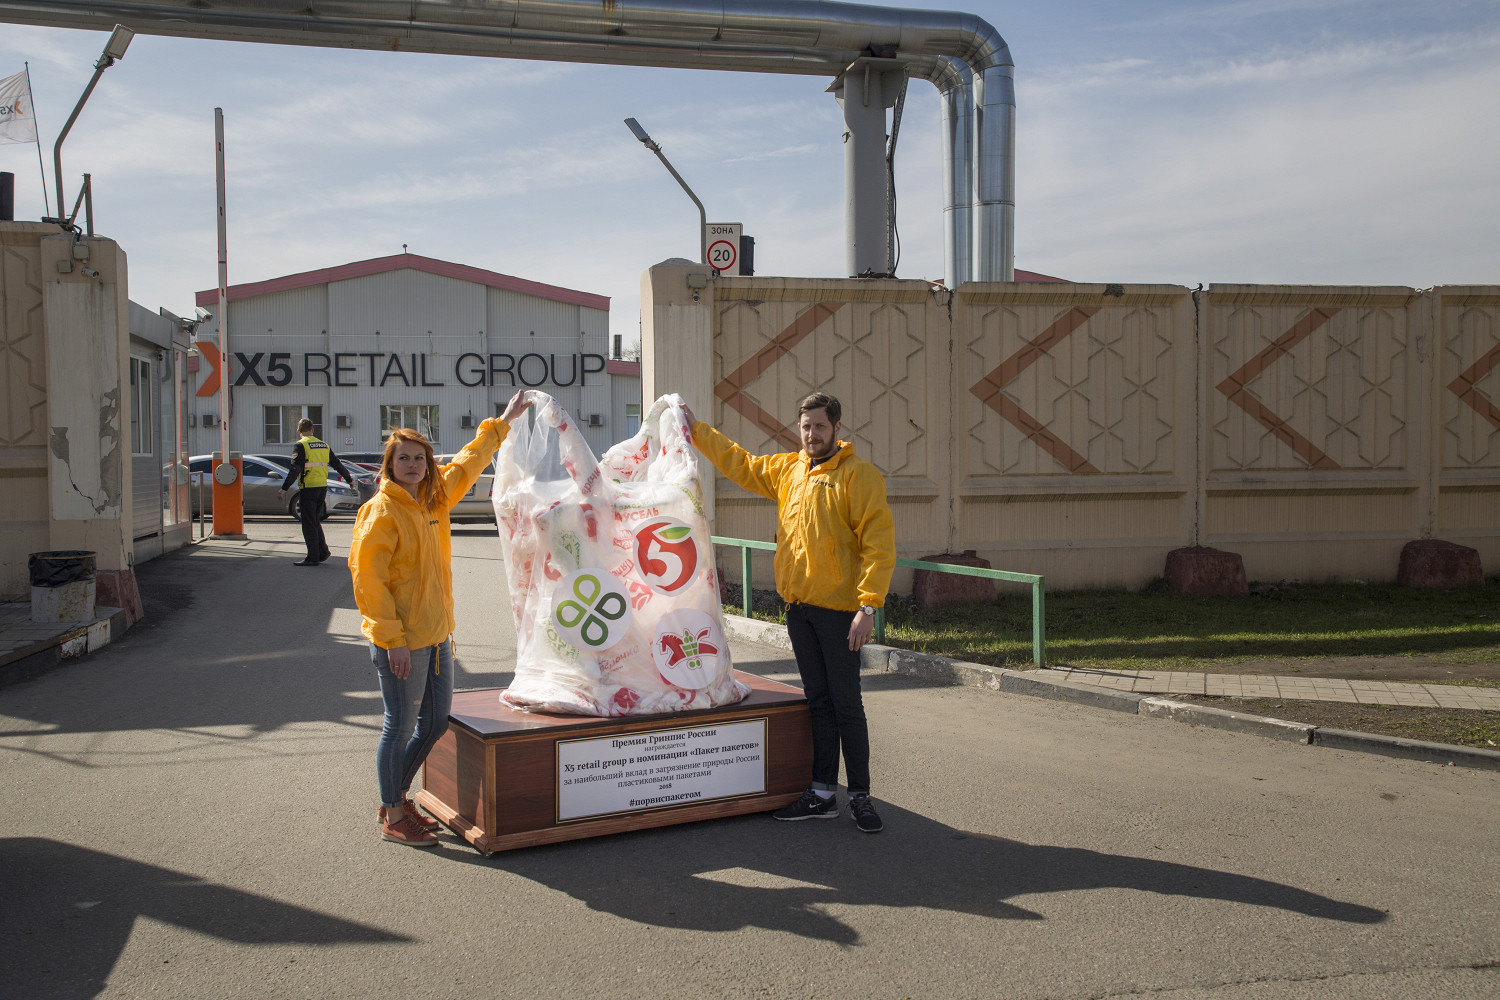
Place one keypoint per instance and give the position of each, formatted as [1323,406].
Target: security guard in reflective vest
[310,461]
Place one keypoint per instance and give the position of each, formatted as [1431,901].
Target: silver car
[476,503]
[261,483]
[365,484]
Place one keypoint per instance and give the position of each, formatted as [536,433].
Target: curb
[36,659]
[1395,746]
[1221,718]
[942,670]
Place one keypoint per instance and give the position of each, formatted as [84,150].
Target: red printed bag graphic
[610,569]
[667,554]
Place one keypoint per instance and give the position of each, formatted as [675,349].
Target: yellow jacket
[401,557]
[835,539]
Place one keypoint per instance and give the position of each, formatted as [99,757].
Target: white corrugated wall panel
[409,314]
[301,313]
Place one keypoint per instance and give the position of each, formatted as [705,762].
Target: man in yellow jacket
[835,551]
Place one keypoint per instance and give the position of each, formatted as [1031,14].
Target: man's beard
[828,450]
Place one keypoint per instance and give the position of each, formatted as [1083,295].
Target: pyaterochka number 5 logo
[591,609]
[667,554]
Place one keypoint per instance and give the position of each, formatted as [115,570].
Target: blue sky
[1286,141]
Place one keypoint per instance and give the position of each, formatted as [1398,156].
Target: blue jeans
[416,715]
[830,679]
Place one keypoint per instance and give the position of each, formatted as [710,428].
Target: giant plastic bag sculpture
[610,569]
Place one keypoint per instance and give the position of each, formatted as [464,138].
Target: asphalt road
[191,814]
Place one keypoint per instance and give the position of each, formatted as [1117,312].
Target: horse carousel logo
[687,648]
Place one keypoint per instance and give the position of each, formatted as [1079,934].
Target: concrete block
[1219,718]
[875,659]
[1393,746]
[1199,571]
[1432,562]
[98,635]
[754,630]
[934,589]
[117,588]
[1027,683]
[941,670]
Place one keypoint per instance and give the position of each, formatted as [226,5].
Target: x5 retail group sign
[383,368]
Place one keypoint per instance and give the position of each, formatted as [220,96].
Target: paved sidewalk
[1291,688]
[28,648]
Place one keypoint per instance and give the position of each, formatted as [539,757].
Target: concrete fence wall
[1084,431]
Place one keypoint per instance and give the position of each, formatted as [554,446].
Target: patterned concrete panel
[1309,378]
[1469,325]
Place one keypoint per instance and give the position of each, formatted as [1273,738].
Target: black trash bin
[63,588]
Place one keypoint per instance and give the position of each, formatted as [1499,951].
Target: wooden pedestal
[495,776]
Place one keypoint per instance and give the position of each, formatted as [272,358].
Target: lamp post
[119,41]
[649,143]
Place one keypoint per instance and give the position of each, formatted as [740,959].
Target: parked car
[368,459]
[364,484]
[476,502]
[261,483]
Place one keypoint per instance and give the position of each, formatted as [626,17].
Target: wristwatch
[865,609]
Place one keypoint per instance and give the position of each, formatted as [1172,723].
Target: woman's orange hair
[430,493]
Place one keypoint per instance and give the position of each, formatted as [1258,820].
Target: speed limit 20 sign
[723,241]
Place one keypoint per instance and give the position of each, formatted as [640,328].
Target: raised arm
[756,473]
[461,473]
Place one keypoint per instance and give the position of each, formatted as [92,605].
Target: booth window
[141,440]
[281,422]
[421,418]
[632,419]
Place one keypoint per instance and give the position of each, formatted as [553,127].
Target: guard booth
[155,425]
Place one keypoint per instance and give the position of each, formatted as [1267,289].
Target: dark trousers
[312,522]
[830,679]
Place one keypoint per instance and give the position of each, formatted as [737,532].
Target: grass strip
[1156,629]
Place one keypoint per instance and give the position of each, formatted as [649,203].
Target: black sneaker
[862,811]
[810,806]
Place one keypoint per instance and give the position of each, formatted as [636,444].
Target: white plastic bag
[610,567]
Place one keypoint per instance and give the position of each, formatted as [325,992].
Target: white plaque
[634,772]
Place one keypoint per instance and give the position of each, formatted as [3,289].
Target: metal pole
[702,215]
[652,145]
[99,69]
[41,167]
[223,289]
[1038,625]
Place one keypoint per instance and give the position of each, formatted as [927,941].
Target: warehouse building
[404,341]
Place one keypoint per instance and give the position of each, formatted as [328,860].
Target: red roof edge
[413,262]
[614,366]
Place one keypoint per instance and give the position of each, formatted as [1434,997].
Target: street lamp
[649,143]
[119,41]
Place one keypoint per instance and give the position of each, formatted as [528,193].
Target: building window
[421,418]
[141,440]
[632,419]
[281,422]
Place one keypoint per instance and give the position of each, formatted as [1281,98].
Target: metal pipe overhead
[807,37]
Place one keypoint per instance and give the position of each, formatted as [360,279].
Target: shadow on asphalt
[232,637]
[751,871]
[69,911]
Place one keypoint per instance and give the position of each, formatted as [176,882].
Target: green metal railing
[1038,601]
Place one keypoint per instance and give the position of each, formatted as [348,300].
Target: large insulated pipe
[955,84]
[809,37]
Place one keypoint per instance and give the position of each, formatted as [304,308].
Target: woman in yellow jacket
[401,561]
